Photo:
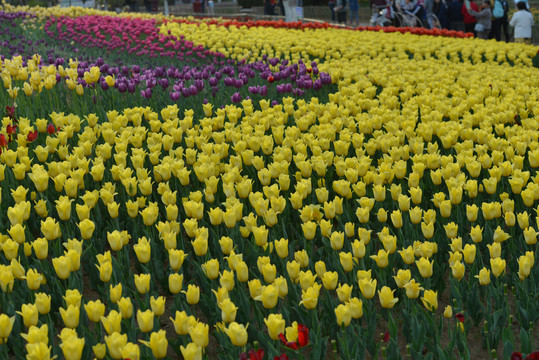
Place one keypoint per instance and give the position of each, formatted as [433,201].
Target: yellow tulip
[412,289]
[381,259]
[143,250]
[86,228]
[158,344]
[95,310]
[387,300]
[130,351]
[525,264]
[330,280]
[309,297]
[70,316]
[62,266]
[407,255]
[402,278]
[192,294]
[343,315]
[484,276]
[115,342]
[344,292]
[275,324]
[157,305]
[72,348]
[425,267]
[100,350]
[191,352]
[430,300]
[448,312]
[228,310]
[199,334]
[115,292]
[498,266]
[142,283]
[43,303]
[457,270]
[530,236]
[6,326]
[367,287]
[145,320]
[356,308]
[237,333]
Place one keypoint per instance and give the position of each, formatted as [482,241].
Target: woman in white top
[522,21]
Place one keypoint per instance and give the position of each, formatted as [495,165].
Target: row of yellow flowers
[415,167]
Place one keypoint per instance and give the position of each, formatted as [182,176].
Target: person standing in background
[148,5]
[281,7]
[269,7]
[454,15]
[497,16]
[484,18]
[523,22]
[505,20]
[331,4]
[428,4]
[440,10]
[354,13]
[469,20]
[340,9]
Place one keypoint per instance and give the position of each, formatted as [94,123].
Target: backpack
[498,10]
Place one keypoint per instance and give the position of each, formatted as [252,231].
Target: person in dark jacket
[341,9]
[454,15]
[269,7]
[440,10]
[331,4]
[505,20]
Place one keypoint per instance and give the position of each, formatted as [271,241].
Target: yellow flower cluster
[426,150]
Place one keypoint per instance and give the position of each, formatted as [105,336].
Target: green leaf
[508,349]
[392,327]
[525,341]
[507,334]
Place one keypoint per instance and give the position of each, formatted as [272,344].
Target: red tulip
[3,142]
[11,129]
[271,79]
[281,357]
[303,335]
[50,129]
[290,344]
[386,337]
[31,136]
[516,355]
[533,356]
[10,112]
[459,317]
[252,355]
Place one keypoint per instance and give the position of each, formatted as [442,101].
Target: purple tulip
[213,81]
[147,94]
[164,83]
[121,86]
[236,97]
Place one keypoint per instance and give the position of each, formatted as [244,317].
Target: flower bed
[180,188]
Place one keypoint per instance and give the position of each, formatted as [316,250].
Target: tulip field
[181,188]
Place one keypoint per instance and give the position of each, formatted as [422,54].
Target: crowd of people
[489,20]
